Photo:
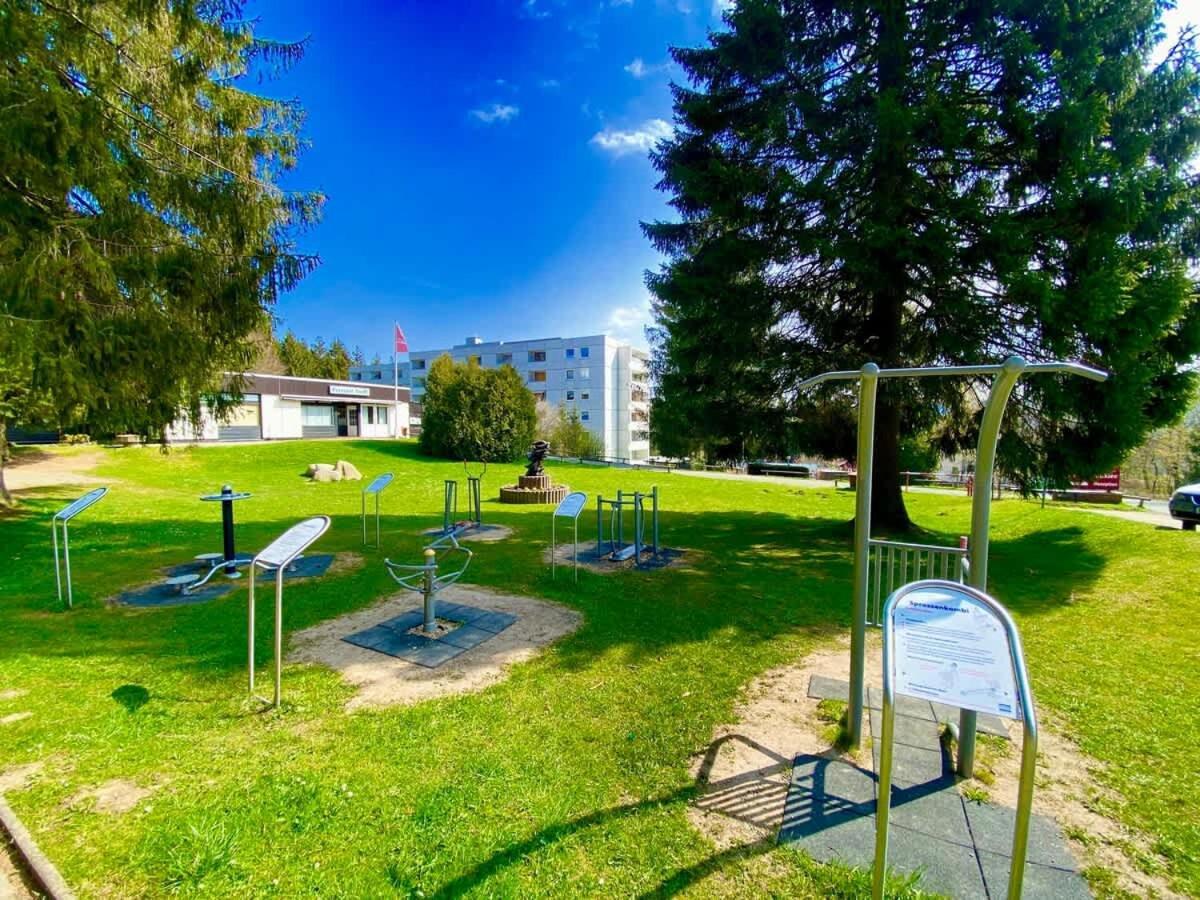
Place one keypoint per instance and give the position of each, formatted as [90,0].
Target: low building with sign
[277,407]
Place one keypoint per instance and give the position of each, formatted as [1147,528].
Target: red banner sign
[1109,482]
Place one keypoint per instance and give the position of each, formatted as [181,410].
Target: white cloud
[497,112]
[628,322]
[721,7]
[549,84]
[639,69]
[620,3]
[639,140]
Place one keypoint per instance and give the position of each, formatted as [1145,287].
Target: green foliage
[918,184]
[568,436]
[143,237]
[314,360]
[476,414]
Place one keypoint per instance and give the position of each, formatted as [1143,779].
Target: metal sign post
[570,508]
[953,644]
[277,556]
[61,518]
[1005,379]
[375,487]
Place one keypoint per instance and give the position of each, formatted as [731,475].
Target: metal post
[575,522]
[639,521]
[227,529]
[364,514]
[620,507]
[378,539]
[67,566]
[250,631]
[553,547]
[278,632]
[867,388]
[430,624]
[599,524]
[57,562]
[654,517]
[981,509]
[451,502]
[474,498]
[883,803]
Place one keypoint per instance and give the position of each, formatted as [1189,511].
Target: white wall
[376,430]
[183,431]
[280,418]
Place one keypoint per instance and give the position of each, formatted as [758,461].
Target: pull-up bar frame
[1006,375]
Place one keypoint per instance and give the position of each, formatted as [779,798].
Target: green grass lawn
[570,777]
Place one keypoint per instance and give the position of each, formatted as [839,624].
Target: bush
[568,436]
[471,413]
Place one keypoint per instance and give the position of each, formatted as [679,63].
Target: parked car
[1185,506]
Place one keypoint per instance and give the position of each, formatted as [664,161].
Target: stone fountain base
[533,489]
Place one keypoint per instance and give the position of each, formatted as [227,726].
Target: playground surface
[571,771]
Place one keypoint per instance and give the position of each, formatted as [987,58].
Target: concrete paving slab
[822,687]
[1038,881]
[912,765]
[992,829]
[914,707]
[921,733]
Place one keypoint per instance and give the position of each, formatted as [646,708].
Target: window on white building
[570,374]
[570,395]
[540,396]
[537,355]
[585,416]
[381,415]
[418,364]
[313,414]
[585,373]
[586,395]
[538,375]
[369,412]
[570,353]
[583,351]
[504,359]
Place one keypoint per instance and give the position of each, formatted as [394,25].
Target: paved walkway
[963,849]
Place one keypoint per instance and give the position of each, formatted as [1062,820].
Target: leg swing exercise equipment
[614,547]
[425,580]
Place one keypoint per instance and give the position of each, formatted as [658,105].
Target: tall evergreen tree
[914,183]
[143,236]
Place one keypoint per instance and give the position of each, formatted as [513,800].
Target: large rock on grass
[348,471]
[323,472]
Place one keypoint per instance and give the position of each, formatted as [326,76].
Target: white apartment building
[605,380]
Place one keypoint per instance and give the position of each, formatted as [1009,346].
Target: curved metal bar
[1063,367]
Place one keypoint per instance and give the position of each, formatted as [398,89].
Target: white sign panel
[347,390]
[571,505]
[292,542]
[379,483]
[78,506]
[949,647]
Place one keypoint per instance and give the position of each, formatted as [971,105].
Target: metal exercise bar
[1006,375]
[473,501]
[1029,743]
[450,510]
[896,563]
[424,579]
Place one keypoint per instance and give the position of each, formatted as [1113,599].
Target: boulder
[323,472]
[348,470]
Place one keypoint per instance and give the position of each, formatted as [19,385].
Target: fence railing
[893,564]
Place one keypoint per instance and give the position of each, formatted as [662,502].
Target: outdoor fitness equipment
[936,624]
[618,550]
[1006,376]
[226,498]
[424,579]
[450,523]
[61,518]
[375,487]
[277,556]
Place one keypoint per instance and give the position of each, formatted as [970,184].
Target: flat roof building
[286,406]
[605,380]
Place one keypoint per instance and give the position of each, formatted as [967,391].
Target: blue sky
[485,163]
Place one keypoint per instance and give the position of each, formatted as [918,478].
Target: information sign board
[571,505]
[379,483]
[950,647]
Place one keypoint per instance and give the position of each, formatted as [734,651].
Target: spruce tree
[143,234]
[911,183]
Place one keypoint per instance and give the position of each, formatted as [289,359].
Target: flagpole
[395,388]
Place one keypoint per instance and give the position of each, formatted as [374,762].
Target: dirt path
[40,468]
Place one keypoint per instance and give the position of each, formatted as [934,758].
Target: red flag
[401,343]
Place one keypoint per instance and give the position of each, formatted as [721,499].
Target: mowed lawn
[569,778]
